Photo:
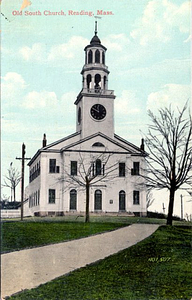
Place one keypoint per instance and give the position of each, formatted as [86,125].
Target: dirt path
[26,269]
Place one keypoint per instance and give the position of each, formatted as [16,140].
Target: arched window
[97,56]
[97,82]
[88,81]
[98,144]
[90,57]
[98,200]
[105,81]
[122,200]
[73,199]
[103,57]
[98,167]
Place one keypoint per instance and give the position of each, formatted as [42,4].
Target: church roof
[95,40]
[122,140]
[46,148]
[126,146]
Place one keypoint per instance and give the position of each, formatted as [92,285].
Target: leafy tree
[169,164]
[11,180]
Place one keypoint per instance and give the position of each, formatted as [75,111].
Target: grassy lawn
[34,232]
[27,234]
[157,268]
[99,219]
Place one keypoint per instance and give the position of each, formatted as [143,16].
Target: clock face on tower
[98,111]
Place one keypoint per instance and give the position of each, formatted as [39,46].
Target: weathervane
[96,24]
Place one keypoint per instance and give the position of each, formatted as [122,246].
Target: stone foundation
[82,214]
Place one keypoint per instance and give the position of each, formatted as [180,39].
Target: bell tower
[95,103]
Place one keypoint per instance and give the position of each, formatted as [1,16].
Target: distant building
[94,145]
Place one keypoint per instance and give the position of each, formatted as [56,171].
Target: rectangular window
[136,197]
[51,196]
[52,165]
[135,170]
[73,168]
[38,197]
[98,167]
[121,169]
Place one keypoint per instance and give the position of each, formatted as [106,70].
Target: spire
[95,27]
[95,40]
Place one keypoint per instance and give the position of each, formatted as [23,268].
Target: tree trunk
[14,195]
[87,201]
[171,204]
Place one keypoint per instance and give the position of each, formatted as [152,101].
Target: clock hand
[95,109]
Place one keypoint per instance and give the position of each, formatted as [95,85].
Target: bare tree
[150,198]
[4,198]
[187,217]
[170,153]
[91,171]
[12,180]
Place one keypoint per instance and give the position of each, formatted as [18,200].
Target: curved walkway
[29,268]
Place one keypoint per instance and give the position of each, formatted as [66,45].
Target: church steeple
[95,40]
[95,72]
[95,101]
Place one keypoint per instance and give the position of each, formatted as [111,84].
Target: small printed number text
[159,259]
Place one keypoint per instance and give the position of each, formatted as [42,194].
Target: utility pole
[22,176]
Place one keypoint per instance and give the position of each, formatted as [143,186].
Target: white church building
[94,154]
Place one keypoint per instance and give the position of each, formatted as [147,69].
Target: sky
[148,56]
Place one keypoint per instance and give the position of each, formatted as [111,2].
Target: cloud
[38,52]
[38,100]
[116,42]
[178,16]
[67,50]
[126,104]
[14,78]
[13,87]
[16,93]
[160,19]
[67,101]
[161,72]
[175,94]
